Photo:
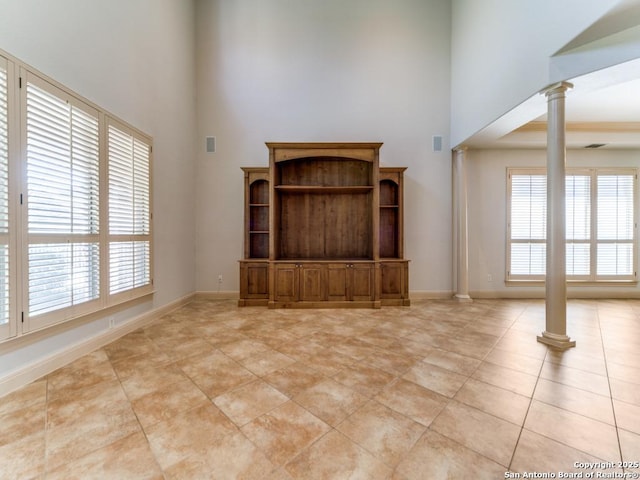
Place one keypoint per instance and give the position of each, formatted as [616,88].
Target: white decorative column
[460,226]
[555,333]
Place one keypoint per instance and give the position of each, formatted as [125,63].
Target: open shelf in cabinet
[256,213]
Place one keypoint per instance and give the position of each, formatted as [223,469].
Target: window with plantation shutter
[62,171]
[528,225]
[600,224]
[129,211]
[616,225]
[5,306]
[578,232]
[75,204]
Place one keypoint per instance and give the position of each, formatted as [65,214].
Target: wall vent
[211,144]
[437,143]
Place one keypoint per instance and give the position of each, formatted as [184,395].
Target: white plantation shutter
[610,257]
[578,218]
[62,275]
[62,200]
[129,265]
[528,224]
[75,231]
[4,195]
[129,211]
[616,225]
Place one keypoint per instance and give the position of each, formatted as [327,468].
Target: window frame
[10,329]
[593,278]
[135,292]
[37,321]
[21,321]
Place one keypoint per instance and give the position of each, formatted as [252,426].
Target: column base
[463,298]
[558,341]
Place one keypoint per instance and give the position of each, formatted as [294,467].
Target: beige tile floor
[435,390]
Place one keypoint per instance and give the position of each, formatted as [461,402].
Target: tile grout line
[124,391]
[524,420]
[450,399]
[606,367]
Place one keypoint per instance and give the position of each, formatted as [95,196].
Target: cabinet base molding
[325,304]
[265,303]
[400,302]
[253,302]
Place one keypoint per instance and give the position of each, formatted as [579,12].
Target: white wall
[134,58]
[501,54]
[291,70]
[487,215]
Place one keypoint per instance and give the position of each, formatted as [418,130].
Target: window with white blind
[5,294]
[75,204]
[63,218]
[600,224]
[129,211]
[616,225]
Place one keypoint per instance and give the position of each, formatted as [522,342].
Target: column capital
[460,149]
[560,87]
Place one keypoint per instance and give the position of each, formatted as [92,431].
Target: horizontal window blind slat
[528,206]
[615,207]
[62,275]
[578,207]
[578,259]
[528,259]
[615,259]
[130,264]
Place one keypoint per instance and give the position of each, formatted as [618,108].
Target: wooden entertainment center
[323,228]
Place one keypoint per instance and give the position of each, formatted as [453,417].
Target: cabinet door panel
[312,283]
[361,285]
[286,283]
[337,282]
[257,280]
[393,280]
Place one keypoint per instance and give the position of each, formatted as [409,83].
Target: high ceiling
[603,109]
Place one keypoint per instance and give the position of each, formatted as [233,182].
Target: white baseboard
[584,293]
[45,366]
[506,294]
[430,294]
